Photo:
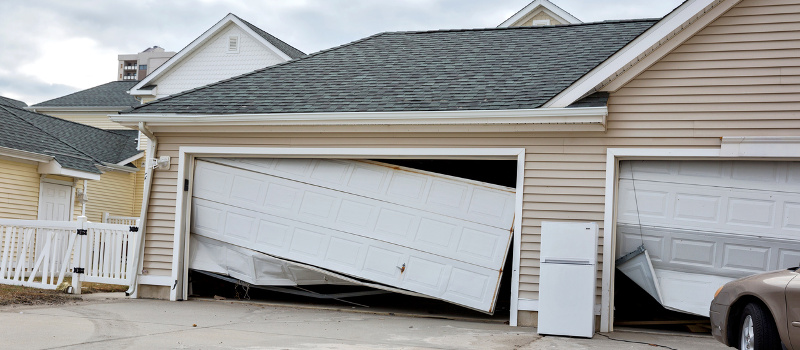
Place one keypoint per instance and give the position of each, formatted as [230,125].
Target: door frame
[754,148]
[189,154]
[71,185]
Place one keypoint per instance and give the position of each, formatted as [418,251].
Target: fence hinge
[81,232]
[186,184]
[134,229]
[77,270]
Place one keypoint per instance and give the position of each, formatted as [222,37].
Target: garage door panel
[459,198]
[714,253]
[447,236]
[712,208]
[370,259]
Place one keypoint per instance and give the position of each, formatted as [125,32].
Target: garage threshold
[383,311]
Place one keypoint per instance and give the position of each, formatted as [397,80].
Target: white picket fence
[41,254]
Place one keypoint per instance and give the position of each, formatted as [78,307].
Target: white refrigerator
[567,278]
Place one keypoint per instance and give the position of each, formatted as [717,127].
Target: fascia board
[54,168]
[115,167]
[131,159]
[77,109]
[180,55]
[586,115]
[631,53]
[24,155]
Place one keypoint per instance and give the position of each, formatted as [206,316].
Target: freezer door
[569,240]
[566,299]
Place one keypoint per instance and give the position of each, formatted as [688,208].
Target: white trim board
[660,33]
[187,155]
[593,117]
[769,148]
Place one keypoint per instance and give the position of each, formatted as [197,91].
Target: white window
[233,44]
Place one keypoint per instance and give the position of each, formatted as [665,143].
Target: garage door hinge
[185,185]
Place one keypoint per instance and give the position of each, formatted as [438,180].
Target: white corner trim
[187,154]
[24,155]
[585,115]
[651,38]
[760,146]
[552,9]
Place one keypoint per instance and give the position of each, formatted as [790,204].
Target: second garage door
[704,223]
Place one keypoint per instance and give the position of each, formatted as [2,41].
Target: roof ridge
[167,98]
[634,20]
[49,134]
[80,91]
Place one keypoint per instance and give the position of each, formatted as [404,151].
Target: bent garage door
[705,223]
[431,234]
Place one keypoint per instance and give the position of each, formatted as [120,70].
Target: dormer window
[233,44]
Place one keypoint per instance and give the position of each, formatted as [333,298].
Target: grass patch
[18,295]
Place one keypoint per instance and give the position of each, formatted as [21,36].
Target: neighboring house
[231,47]
[138,65]
[46,164]
[714,80]
[539,13]
[118,195]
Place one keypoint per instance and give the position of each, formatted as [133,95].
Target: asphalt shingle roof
[74,146]
[113,94]
[5,101]
[289,50]
[477,69]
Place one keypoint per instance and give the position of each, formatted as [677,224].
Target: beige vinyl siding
[696,95]
[114,193]
[97,119]
[19,190]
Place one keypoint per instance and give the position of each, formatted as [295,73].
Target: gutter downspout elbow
[148,180]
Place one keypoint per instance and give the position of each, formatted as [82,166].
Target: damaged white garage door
[435,235]
[704,223]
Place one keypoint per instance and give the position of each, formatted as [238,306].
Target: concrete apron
[104,322]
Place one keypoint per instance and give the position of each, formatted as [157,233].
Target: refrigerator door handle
[568,261]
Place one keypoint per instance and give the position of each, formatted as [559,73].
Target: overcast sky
[49,48]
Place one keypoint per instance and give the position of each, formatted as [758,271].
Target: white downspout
[148,180]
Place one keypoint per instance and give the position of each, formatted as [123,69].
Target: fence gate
[41,254]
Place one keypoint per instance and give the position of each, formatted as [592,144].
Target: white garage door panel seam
[422,229]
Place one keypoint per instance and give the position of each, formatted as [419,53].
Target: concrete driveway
[112,322]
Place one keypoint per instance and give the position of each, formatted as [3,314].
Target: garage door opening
[457,235]
[702,224]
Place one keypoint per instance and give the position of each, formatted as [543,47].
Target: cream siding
[535,16]
[114,193]
[697,94]
[19,190]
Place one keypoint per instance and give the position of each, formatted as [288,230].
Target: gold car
[759,312]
